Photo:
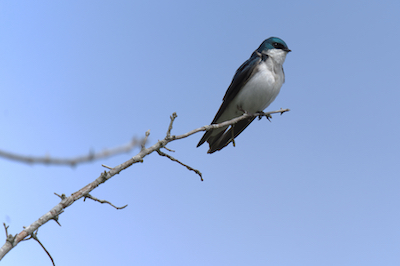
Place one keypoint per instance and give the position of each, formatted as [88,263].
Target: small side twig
[172,117]
[62,196]
[108,167]
[34,236]
[6,228]
[102,201]
[147,134]
[168,149]
[9,237]
[175,160]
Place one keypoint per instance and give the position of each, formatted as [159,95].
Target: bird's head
[275,48]
[273,43]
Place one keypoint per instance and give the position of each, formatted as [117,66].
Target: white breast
[261,90]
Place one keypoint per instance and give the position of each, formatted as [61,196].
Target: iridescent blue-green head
[273,43]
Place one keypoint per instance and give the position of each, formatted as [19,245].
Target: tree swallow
[254,87]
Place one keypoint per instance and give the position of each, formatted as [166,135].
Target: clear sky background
[317,186]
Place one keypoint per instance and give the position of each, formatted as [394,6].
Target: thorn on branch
[55,218]
[104,176]
[62,197]
[175,160]
[102,201]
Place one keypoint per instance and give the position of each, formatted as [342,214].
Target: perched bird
[254,87]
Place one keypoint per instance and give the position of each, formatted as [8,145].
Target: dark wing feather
[242,75]
[224,139]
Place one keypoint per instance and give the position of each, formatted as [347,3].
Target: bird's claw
[268,116]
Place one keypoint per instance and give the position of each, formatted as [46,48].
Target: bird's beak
[288,50]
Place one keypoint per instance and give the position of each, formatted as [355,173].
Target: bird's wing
[225,138]
[241,77]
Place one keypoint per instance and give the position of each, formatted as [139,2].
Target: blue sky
[317,186]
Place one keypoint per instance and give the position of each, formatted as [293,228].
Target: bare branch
[12,241]
[103,201]
[72,161]
[54,212]
[228,123]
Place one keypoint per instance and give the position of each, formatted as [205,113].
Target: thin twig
[168,149]
[143,145]
[174,115]
[175,160]
[9,237]
[34,236]
[62,196]
[103,201]
[6,228]
[108,167]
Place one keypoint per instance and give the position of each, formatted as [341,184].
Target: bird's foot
[268,116]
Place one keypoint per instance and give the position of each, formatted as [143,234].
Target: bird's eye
[278,45]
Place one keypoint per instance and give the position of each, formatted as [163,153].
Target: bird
[254,87]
